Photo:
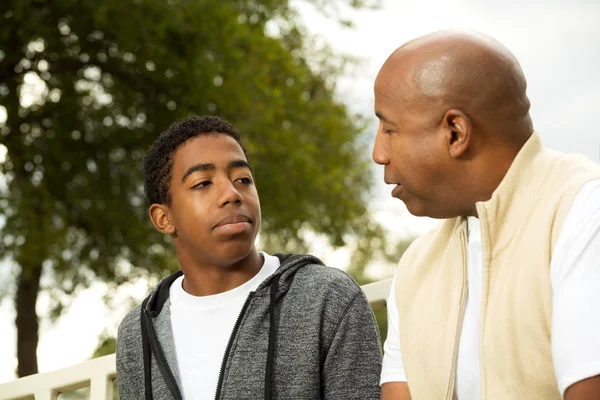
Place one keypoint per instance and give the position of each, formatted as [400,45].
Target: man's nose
[380,154]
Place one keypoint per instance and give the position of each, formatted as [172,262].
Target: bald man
[502,300]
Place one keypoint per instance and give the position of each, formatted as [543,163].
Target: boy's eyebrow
[198,167]
[240,164]
[211,167]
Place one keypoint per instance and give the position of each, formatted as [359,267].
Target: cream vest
[519,226]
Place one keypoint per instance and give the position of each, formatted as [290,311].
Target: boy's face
[214,215]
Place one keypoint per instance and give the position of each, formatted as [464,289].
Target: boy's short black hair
[158,163]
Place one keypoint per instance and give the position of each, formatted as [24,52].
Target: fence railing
[99,374]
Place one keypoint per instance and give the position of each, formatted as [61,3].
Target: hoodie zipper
[161,360]
[230,342]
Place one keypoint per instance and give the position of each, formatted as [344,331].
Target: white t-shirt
[575,281]
[202,326]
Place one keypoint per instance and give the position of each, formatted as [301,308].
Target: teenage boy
[236,323]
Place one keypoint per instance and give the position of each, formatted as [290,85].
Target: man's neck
[491,172]
[205,279]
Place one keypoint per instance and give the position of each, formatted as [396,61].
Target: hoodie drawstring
[272,335]
[146,352]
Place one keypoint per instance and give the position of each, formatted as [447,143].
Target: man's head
[453,114]
[201,189]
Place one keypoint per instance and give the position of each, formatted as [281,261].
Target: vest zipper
[485,289]
[230,342]
[463,240]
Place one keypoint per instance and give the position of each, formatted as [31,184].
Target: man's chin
[417,212]
[418,209]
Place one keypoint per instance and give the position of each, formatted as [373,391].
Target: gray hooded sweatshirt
[307,332]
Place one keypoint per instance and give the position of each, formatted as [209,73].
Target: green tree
[86,87]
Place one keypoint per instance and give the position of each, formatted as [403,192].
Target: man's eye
[201,185]
[387,131]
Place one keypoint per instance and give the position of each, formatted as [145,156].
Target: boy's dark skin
[214,215]
[200,186]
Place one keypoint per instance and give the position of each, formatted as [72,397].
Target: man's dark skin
[453,114]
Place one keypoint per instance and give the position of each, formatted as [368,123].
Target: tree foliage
[87,86]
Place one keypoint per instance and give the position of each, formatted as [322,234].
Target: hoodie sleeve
[122,374]
[129,361]
[352,366]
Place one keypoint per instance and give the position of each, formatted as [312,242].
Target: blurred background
[86,86]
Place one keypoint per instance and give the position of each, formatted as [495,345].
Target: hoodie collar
[289,265]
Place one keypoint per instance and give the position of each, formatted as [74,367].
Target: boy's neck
[206,279]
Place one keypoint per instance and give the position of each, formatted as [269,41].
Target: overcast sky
[557,43]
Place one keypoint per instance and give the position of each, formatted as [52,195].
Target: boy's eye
[246,181]
[201,185]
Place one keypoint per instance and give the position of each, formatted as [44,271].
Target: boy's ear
[159,214]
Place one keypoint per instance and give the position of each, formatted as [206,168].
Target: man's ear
[459,130]
[159,214]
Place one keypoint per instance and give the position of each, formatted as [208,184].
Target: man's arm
[575,278]
[353,363]
[587,389]
[393,378]
[395,391]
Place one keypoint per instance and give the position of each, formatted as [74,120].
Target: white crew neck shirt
[575,281]
[202,326]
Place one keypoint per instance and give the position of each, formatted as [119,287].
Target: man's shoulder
[567,167]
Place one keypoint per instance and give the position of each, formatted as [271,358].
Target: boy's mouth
[233,219]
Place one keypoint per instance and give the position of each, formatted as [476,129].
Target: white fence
[99,374]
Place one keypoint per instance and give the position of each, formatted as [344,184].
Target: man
[502,300]
[235,323]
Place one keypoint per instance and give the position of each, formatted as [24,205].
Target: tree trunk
[27,320]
